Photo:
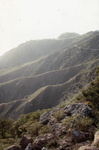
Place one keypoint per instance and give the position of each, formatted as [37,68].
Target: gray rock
[96,139]
[45,117]
[80,109]
[42,140]
[78,136]
[29,147]
[25,141]
[87,147]
[56,128]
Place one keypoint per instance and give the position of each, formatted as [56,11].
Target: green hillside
[41,74]
[39,124]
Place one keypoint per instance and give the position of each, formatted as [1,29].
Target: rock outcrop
[96,139]
[45,117]
[29,147]
[94,145]
[42,140]
[78,136]
[25,141]
[80,109]
[57,129]
[88,148]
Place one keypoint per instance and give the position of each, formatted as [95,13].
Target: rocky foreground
[70,127]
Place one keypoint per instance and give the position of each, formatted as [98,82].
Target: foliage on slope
[92,93]
[30,124]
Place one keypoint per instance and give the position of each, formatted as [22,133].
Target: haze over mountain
[40,74]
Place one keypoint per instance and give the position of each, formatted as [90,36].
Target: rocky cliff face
[69,128]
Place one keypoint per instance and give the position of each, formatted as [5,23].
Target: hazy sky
[23,20]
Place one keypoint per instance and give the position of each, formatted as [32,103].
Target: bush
[80,123]
[34,128]
[68,122]
[83,123]
[34,117]
[43,130]
[4,143]
[5,126]
[59,115]
[92,93]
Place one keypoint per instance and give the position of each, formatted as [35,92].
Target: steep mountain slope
[57,70]
[63,58]
[33,50]
[30,51]
[18,88]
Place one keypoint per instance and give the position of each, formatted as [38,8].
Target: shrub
[83,123]
[34,128]
[59,115]
[80,123]
[5,126]
[68,122]
[4,143]
[43,130]
[92,93]
[96,116]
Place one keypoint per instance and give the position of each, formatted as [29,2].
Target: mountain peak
[68,35]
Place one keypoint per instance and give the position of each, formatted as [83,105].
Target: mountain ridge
[63,71]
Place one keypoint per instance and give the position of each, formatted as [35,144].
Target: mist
[22,21]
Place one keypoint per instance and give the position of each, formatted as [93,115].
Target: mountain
[42,73]
[68,35]
[71,125]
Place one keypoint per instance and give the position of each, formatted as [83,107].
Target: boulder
[86,147]
[26,139]
[52,122]
[45,117]
[80,109]
[29,147]
[96,139]
[56,128]
[42,140]
[78,136]
[13,147]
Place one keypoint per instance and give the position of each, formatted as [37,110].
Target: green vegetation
[44,78]
[25,123]
[80,123]
[5,127]
[4,143]
[91,96]
[11,131]
[59,114]
[59,64]
[44,129]
[83,123]
[68,122]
